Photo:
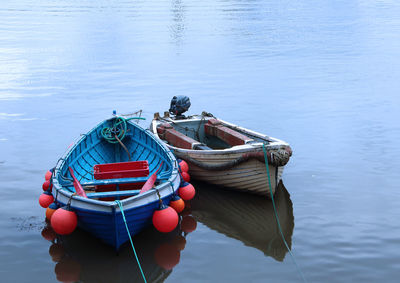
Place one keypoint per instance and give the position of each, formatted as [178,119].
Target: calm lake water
[321,75]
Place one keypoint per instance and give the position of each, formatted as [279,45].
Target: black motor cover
[179,105]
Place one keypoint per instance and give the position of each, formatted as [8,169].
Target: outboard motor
[179,105]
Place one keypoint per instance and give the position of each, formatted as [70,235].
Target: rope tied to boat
[130,238]
[135,114]
[159,196]
[70,199]
[277,218]
[124,147]
[277,157]
[117,132]
[118,129]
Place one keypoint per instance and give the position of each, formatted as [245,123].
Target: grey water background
[321,75]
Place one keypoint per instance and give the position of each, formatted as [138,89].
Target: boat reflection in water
[245,217]
[81,257]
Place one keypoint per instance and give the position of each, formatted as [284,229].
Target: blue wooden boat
[99,212]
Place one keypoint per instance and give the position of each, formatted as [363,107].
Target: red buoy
[64,221]
[47,185]
[183,165]
[177,203]
[49,234]
[185,176]
[46,199]
[50,210]
[167,256]
[165,219]
[47,177]
[186,191]
[188,224]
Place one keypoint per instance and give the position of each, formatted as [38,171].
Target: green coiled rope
[118,129]
[277,219]
[130,238]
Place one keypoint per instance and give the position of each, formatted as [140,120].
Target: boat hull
[109,226]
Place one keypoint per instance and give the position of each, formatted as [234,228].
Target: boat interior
[204,134]
[130,164]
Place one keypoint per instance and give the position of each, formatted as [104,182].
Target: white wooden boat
[222,153]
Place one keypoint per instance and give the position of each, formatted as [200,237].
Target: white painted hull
[250,176]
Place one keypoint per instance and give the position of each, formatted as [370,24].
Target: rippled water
[322,75]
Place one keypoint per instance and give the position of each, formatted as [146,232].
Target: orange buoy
[186,191]
[64,221]
[165,219]
[56,251]
[49,234]
[50,210]
[47,176]
[167,256]
[185,176]
[188,224]
[183,165]
[46,199]
[47,185]
[177,203]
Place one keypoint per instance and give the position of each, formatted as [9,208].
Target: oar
[150,181]
[78,187]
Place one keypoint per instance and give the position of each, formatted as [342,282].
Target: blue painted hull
[110,227]
[102,218]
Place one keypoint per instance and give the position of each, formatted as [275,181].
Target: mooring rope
[130,238]
[277,219]
[119,129]
[117,132]
[124,147]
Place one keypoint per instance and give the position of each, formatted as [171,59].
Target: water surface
[322,75]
